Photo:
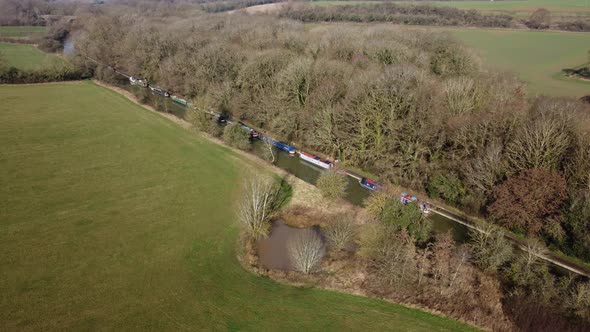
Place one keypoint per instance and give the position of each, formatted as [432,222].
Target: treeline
[224,6]
[17,12]
[576,26]
[484,281]
[397,14]
[541,19]
[414,107]
[33,12]
[56,71]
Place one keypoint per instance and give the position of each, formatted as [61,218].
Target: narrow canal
[306,171]
[303,170]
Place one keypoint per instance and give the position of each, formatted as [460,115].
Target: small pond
[273,252]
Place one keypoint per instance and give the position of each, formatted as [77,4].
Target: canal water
[354,192]
[69,48]
[304,170]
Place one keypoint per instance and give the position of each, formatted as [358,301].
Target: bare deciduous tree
[484,172]
[396,263]
[530,275]
[442,254]
[258,205]
[269,153]
[392,254]
[541,144]
[340,232]
[462,95]
[306,250]
[423,262]
[579,301]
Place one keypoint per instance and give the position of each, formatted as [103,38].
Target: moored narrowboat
[283,146]
[222,119]
[159,91]
[313,159]
[138,82]
[253,133]
[405,198]
[179,100]
[370,184]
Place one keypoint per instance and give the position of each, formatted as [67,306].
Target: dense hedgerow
[12,75]
[398,14]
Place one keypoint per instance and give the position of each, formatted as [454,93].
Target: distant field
[26,57]
[340,3]
[115,218]
[567,9]
[538,57]
[526,7]
[21,32]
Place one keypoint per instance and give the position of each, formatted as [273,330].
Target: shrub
[391,212]
[340,232]
[447,187]
[407,217]
[490,248]
[376,203]
[540,19]
[332,185]
[236,136]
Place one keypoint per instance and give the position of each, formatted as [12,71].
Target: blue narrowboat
[370,184]
[283,146]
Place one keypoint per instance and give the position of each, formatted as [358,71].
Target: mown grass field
[537,57]
[21,32]
[115,218]
[26,57]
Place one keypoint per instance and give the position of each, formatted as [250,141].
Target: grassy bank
[21,32]
[27,57]
[115,218]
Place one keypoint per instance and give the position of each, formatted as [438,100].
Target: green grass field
[537,57]
[561,10]
[115,218]
[21,32]
[567,9]
[26,57]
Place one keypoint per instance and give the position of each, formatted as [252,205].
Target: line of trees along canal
[415,107]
